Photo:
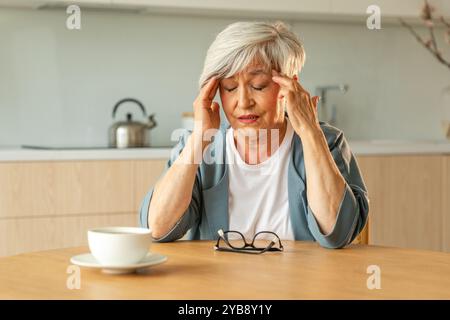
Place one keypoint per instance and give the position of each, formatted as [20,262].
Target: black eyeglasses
[262,241]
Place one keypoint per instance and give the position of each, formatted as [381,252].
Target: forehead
[251,71]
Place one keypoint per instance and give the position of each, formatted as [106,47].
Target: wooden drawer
[45,233]
[65,187]
[30,189]
[51,204]
[146,172]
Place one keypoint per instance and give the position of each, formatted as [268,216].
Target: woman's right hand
[206,111]
[167,207]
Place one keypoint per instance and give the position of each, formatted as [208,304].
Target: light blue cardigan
[208,210]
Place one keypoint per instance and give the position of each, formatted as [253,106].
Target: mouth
[248,118]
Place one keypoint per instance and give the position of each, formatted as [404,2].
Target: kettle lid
[129,123]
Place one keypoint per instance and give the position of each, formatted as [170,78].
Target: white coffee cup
[119,246]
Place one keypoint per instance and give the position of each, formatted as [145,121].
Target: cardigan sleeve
[192,214]
[354,207]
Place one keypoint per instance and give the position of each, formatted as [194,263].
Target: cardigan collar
[216,197]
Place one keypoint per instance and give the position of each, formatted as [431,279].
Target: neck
[257,146]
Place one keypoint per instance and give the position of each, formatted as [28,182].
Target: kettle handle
[128,100]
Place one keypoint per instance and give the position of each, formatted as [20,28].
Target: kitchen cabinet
[38,4]
[389,8]
[315,10]
[409,204]
[51,204]
[446,204]
[65,187]
[236,6]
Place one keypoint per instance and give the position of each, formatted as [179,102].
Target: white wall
[59,86]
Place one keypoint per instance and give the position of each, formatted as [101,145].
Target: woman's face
[249,100]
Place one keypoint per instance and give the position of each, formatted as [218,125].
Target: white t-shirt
[258,194]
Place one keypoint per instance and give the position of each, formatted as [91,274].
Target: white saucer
[88,260]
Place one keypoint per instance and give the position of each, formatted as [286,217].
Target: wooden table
[195,271]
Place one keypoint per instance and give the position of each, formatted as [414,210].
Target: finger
[315,101]
[282,80]
[207,86]
[213,91]
[302,90]
[297,82]
[289,85]
[215,106]
[275,72]
[293,80]
[209,89]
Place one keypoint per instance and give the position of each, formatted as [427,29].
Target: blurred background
[58,87]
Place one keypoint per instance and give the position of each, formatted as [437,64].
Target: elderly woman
[306,186]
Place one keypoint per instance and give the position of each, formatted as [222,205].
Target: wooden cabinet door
[51,204]
[446,202]
[405,193]
[146,172]
[56,188]
[54,232]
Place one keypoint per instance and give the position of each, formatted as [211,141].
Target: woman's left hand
[300,106]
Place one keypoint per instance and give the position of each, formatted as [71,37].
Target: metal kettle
[130,133]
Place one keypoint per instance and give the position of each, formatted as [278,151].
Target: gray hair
[271,44]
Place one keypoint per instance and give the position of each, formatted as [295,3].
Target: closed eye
[258,89]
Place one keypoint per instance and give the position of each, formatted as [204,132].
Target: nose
[245,99]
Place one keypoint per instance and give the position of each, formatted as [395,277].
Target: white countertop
[21,154]
[399,147]
[361,148]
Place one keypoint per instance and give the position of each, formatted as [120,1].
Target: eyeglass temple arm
[221,235]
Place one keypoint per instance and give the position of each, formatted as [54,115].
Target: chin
[248,130]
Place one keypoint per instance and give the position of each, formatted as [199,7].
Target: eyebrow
[257,71]
[253,73]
